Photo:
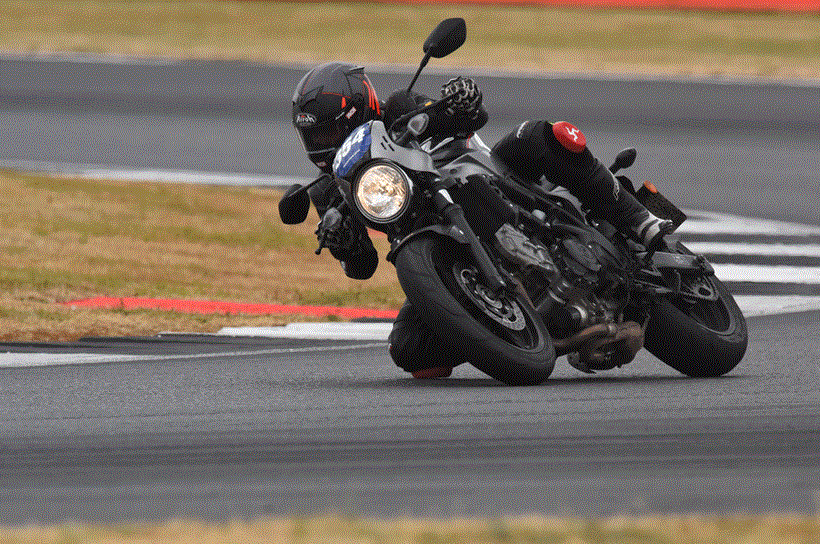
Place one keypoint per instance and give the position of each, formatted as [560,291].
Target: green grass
[513,37]
[68,239]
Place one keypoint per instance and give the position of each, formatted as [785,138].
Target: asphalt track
[237,427]
[113,429]
[731,146]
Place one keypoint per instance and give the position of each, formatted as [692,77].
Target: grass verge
[538,38]
[347,530]
[68,239]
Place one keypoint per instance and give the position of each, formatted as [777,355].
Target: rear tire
[700,339]
[504,337]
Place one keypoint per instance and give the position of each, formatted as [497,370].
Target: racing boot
[559,152]
[618,206]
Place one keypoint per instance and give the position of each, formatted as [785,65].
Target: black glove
[463,97]
[348,242]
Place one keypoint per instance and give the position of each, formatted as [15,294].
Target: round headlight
[382,192]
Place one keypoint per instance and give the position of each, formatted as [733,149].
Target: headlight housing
[382,192]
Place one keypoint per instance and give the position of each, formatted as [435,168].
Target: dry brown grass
[67,239]
[346,530]
[518,37]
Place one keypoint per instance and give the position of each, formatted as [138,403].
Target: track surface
[723,146]
[264,430]
[241,427]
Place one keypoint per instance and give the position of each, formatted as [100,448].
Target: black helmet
[328,104]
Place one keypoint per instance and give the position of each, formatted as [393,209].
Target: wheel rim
[709,314]
[503,315]
[500,309]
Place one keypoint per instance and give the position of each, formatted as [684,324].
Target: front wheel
[501,335]
[699,338]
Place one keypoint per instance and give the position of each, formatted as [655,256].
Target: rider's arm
[401,103]
[458,114]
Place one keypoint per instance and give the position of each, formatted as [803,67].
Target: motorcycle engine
[590,287]
[579,283]
[577,280]
[586,302]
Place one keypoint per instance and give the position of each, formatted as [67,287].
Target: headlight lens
[383,192]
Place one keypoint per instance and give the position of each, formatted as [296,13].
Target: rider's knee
[414,347]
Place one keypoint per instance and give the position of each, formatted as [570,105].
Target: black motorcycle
[511,274]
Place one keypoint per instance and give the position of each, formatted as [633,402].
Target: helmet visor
[325,137]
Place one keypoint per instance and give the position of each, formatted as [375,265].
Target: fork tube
[455,216]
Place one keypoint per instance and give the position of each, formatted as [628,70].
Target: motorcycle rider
[333,99]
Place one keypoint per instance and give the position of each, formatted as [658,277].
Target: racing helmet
[330,101]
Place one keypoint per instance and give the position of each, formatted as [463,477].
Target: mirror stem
[308,186]
[424,62]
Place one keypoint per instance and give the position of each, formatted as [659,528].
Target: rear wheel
[500,334]
[700,338]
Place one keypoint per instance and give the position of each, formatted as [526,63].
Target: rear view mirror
[448,36]
[294,205]
[625,159]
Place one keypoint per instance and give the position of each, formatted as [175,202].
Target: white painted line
[700,222]
[15,360]
[316,331]
[750,305]
[732,248]
[184,176]
[372,335]
[757,305]
[711,223]
[21,360]
[767,274]
[97,171]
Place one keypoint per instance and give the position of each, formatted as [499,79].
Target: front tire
[503,337]
[698,338]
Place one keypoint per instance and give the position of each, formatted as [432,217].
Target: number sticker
[353,149]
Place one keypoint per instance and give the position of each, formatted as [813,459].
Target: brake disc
[498,308]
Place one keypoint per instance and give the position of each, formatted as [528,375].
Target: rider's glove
[348,241]
[462,97]
[334,233]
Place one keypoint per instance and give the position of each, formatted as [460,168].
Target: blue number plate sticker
[352,151]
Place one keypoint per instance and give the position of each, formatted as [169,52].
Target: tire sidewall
[465,335]
[691,348]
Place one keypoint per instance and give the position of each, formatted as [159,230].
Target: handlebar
[414,128]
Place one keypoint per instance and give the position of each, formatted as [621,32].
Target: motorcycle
[512,275]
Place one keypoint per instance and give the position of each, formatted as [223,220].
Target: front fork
[454,215]
[459,230]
